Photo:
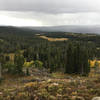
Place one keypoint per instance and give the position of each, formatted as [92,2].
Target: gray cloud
[41,19]
[51,6]
[49,12]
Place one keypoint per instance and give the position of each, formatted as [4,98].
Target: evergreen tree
[19,61]
[77,60]
[69,63]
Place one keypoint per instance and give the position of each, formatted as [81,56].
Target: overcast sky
[49,12]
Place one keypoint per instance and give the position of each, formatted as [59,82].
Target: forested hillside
[22,51]
[53,54]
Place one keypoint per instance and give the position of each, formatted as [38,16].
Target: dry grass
[54,39]
[50,89]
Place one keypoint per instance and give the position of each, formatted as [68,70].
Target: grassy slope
[56,87]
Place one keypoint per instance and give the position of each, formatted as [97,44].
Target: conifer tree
[69,63]
[77,60]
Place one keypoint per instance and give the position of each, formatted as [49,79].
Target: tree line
[70,56]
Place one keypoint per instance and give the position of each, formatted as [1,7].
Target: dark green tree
[77,60]
[69,57]
[19,61]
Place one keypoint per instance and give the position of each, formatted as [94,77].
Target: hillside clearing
[53,39]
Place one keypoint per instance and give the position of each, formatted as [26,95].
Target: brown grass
[54,39]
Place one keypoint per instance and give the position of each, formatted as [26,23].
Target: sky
[49,12]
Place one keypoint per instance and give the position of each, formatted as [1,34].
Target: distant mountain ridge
[17,30]
[69,28]
[66,28]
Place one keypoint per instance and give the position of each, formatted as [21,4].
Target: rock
[69,77]
[49,80]
[52,97]
[1,93]
[77,98]
[80,98]
[33,80]
[96,98]
[56,84]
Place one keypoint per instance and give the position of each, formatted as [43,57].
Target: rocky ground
[56,86]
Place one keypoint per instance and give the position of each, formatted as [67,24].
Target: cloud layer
[51,6]
[49,12]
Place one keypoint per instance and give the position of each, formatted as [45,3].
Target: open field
[53,39]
